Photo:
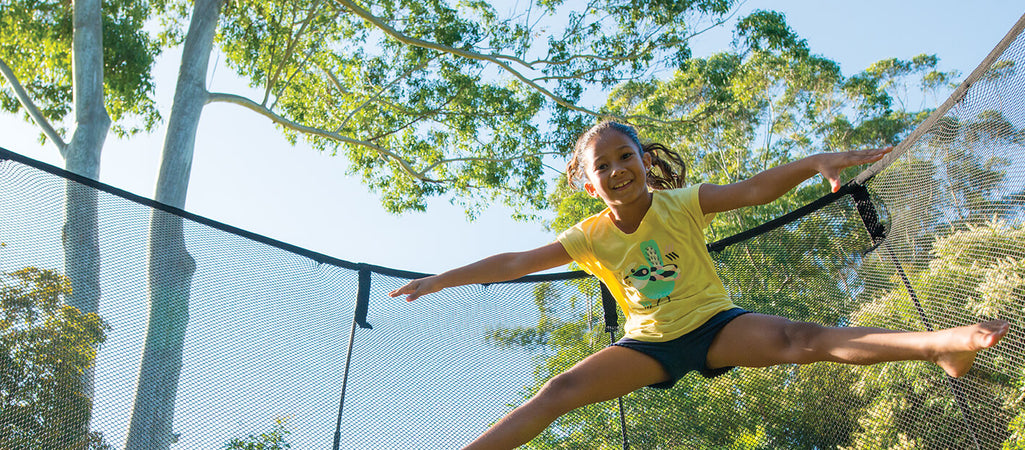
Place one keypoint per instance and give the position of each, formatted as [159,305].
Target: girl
[681,321]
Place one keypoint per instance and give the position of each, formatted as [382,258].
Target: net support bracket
[363,297]
[868,214]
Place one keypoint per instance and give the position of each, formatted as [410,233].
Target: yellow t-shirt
[661,275]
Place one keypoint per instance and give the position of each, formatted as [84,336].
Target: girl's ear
[646,158]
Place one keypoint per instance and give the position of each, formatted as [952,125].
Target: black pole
[359,316]
[345,380]
[608,304]
[622,411]
[954,384]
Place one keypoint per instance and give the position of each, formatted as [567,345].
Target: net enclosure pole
[359,317]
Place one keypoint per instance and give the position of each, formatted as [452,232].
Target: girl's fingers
[413,290]
[410,297]
[854,158]
[407,289]
[859,157]
[878,152]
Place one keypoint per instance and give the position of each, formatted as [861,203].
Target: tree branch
[628,57]
[334,80]
[494,59]
[262,110]
[292,40]
[483,159]
[418,115]
[299,67]
[576,75]
[406,166]
[33,110]
[377,94]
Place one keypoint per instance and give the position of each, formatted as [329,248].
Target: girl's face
[616,169]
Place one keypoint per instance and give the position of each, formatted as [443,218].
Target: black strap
[608,305]
[773,224]
[868,213]
[363,297]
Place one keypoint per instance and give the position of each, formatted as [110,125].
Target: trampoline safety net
[251,340]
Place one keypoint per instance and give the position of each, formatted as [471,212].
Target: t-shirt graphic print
[656,279]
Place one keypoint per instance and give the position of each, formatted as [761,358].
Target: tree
[45,347]
[425,99]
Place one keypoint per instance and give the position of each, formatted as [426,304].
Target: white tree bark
[82,156]
[80,233]
[170,265]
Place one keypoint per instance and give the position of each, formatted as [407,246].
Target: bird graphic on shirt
[656,279]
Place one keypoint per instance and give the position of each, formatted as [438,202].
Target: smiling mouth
[621,185]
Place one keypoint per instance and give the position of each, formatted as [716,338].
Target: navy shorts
[688,352]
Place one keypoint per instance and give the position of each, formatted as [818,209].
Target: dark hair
[668,171]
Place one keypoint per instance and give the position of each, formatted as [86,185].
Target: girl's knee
[563,393]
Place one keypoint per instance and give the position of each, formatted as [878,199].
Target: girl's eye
[626,155]
[601,167]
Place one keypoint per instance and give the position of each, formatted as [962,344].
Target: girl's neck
[628,217]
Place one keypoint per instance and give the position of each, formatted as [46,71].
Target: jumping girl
[681,320]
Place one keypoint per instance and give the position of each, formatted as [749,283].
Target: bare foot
[965,342]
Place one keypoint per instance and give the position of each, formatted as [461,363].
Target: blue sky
[246,175]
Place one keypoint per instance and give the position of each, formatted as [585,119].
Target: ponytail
[668,171]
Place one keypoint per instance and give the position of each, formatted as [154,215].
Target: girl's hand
[831,164]
[416,288]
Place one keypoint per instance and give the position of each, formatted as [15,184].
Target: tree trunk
[170,265]
[82,156]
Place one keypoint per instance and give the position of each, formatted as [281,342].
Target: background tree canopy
[424,98]
[45,347]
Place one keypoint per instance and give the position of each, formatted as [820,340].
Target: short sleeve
[574,240]
[687,200]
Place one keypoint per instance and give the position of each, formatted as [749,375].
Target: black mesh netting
[264,329]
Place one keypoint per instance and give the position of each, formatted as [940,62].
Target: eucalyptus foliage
[275,439]
[36,43]
[468,100]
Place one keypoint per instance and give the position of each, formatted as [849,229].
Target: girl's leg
[757,340]
[605,375]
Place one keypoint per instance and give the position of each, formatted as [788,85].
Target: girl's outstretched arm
[772,183]
[500,267]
